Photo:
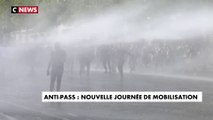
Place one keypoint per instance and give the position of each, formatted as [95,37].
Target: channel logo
[24,9]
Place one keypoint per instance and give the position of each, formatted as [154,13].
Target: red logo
[24,9]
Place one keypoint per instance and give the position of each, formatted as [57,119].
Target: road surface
[21,98]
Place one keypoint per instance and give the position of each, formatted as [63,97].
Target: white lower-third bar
[162,96]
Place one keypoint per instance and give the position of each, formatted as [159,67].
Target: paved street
[21,98]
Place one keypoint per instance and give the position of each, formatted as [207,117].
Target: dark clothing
[57,68]
[85,57]
[55,77]
[121,58]
[57,61]
[106,57]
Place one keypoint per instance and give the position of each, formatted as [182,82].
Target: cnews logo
[24,9]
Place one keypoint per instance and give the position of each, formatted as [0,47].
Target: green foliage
[51,12]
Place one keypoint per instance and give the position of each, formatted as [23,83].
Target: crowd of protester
[112,58]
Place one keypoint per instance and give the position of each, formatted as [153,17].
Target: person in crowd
[56,66]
